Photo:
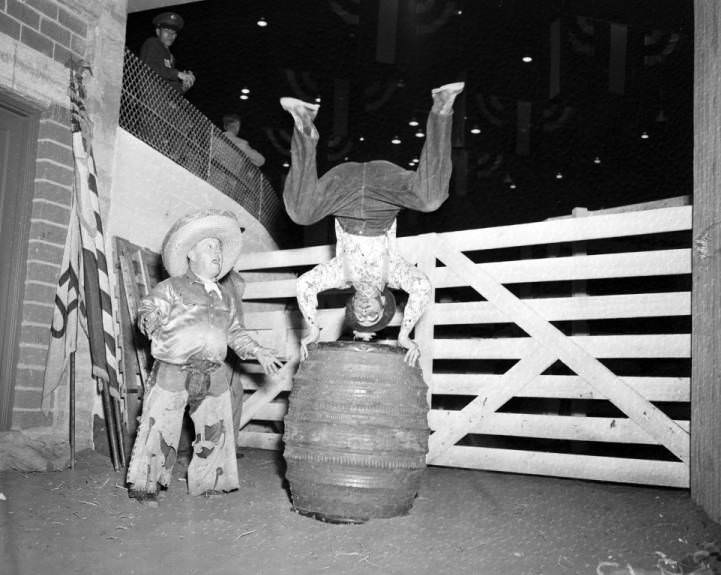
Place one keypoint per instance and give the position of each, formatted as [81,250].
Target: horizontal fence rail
[155,113]
[580,370]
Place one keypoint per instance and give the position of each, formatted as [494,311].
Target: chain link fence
[154,112]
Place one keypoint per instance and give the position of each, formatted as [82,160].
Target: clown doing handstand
[365,199]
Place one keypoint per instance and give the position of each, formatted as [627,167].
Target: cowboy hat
[196,226]
[389,310]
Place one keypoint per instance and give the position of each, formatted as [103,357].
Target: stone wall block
[77,45]
[60,174]
[35,334]
[28,398]
[28,419]
[24,13]
[48,232]
[38,250]
[61,194]
[56,32]
[30,355]
[49,150]
[51,212]
[72,22]
[43,271]
[62,55]
[38,293]
[29,378]
[38,313]
[50,129]
[47,7]
[36,41]
[36,75]
[9,26]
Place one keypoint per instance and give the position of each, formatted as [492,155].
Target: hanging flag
[64,327]
[97,296]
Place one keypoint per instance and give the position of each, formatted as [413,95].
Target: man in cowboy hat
[191,321]
[156,53]
[365,199]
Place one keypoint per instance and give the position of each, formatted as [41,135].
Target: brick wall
[46,26]
[48,229]
[54,31]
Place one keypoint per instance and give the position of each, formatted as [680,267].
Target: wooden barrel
[356,432]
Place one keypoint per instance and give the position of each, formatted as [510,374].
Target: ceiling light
[415,160]
[413,122]
[361,139]
[559,176]
[644,135]
[597,160]
[419,134]
[245,91]
[262,22]
[512,186]
[475,129]
[459,12]
[396,140]
[317,100]
[527,59]
[286,165]
[244,96]
[411,163]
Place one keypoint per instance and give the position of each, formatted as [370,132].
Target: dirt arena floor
[472,522]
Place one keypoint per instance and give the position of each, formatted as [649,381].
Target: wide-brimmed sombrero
[389,310]
[196,226]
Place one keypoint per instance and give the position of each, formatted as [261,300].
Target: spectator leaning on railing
[155,51]
[231,125]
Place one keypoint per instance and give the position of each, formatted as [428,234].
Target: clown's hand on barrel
[312,337]
[413,353]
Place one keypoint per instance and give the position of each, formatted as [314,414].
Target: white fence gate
[513,385]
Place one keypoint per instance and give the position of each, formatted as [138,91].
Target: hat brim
[389,310]
[189,230]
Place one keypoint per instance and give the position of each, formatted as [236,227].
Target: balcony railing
[161,117]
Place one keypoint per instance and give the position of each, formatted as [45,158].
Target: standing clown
[365,199]
[191,321]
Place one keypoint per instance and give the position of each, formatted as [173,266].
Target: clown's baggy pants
[213,466]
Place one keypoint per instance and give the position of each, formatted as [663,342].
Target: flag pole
[110,427]
[118,417]
[72,410]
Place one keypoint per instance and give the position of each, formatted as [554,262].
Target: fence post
[706,310]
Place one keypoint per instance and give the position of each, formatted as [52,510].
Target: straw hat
[196,226]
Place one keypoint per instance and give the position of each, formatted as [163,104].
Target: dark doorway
[18,142]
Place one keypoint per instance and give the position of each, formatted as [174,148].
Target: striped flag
[97,295]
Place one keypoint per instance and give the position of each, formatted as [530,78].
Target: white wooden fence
[511,417]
